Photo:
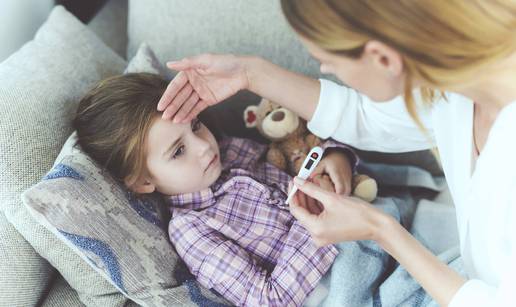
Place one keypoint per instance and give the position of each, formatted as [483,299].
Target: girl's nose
[202,146]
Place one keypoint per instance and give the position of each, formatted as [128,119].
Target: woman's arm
[332,110]
[340,112]
[293,91]
[439,281]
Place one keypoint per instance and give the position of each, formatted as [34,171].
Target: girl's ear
[384,57]
[140,185]
[250,116]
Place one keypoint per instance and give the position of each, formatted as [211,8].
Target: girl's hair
[441,42]
[113,119]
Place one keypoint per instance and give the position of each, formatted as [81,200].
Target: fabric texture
[25,273]
[39,87]
[238,236]
[121,236]
[110,25]
[61,294]
[176,29]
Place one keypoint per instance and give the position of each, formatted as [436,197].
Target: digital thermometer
[310,163]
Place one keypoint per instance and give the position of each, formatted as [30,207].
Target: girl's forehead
[162,135]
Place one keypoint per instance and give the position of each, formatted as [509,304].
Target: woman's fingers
[313,207]
[313,190]
[301,200]
[199,84]
[199,106]
[305,217]
[179,81]
[178,102]
[187,106]
[309,203]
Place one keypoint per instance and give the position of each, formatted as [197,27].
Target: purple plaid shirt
[239,238]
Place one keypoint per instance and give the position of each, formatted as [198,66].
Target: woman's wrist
[383,228]
[252,65]
[291,90]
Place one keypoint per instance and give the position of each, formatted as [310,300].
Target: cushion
[61,294]
[24,272]
[123,237]
[39,89]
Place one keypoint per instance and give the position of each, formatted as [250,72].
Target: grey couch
[175,29]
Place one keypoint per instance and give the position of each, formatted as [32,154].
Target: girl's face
[181,158]
[378,73]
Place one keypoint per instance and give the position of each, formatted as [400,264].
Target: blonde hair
[442,42]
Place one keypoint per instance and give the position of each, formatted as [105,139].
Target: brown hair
[441,42]
[113,119]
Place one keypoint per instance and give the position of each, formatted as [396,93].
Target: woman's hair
[441,42]
[113,119]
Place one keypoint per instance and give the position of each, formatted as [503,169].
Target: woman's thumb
[312,190]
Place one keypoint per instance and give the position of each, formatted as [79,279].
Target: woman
[384,49]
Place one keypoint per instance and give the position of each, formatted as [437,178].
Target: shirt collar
[200,199]
[196,200]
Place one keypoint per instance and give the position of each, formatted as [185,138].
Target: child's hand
[336,164]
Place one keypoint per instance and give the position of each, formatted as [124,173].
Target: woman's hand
[202,81]
[336,164]
[341,218]
[312,205]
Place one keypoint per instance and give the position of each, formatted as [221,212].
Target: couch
[27,276]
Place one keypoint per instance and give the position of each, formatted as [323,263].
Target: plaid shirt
[239,238]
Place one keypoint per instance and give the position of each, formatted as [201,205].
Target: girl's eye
[179,152]
[196,124]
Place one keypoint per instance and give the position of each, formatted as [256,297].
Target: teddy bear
[291,141]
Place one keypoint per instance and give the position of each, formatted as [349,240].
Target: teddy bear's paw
[365,188]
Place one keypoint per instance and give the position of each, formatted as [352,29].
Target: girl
[229,222]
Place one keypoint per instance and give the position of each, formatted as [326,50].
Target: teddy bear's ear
[250,116]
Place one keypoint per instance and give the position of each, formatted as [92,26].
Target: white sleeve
[351,118]
[476,292]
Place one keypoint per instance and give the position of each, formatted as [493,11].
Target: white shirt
[484,192]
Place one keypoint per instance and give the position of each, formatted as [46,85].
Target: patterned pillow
[121,236]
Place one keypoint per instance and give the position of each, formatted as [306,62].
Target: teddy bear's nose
[278,116]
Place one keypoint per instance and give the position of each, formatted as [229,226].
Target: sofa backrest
[177,28]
